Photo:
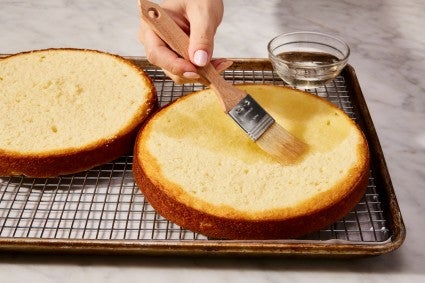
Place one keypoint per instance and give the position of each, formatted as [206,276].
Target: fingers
[204,18]
[159,54]
[220,65]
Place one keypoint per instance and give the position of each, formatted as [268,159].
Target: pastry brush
[240,106]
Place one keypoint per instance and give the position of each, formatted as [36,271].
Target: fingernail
[200,58]
[223,66]
[191,75]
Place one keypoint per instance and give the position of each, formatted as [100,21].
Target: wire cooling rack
[102,209]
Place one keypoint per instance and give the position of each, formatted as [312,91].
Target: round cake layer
[67,110]
[199,169]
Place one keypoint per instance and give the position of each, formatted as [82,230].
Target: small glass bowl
[308,60]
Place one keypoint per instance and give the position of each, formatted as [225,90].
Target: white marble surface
[388,53]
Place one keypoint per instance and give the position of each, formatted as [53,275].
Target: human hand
[200,19]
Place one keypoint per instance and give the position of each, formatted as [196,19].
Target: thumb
[203,25]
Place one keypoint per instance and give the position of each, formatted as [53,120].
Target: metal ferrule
[251,117]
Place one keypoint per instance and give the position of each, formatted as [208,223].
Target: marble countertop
[388,54]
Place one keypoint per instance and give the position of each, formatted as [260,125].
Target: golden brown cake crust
[221,227]
[305,218]
[50,165]
[62,162]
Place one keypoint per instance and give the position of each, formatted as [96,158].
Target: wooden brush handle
[165,27]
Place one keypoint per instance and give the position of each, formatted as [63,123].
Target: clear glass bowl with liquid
[308,60]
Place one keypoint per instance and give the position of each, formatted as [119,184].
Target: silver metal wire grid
[105,204]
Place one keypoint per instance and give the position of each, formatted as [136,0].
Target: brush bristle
[281,144]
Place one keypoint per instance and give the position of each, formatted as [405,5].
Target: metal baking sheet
[103,211]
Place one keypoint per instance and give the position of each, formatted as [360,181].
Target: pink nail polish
[223,66]
[191,75]
[200,58]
